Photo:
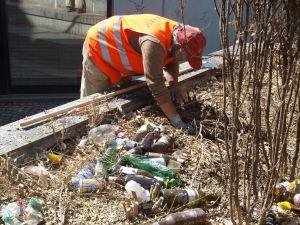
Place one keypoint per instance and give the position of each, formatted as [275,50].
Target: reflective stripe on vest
[117,38]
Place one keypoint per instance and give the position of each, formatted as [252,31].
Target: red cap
[193,42]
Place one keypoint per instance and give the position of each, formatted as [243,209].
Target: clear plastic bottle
[187,217]
[12,213]
[102,133]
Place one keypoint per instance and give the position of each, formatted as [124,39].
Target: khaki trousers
[93,80]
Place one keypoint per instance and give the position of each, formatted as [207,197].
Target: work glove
[177,122]
[178,94]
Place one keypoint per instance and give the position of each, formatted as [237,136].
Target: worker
[121,46]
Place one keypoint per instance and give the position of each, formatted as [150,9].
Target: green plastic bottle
[155,169]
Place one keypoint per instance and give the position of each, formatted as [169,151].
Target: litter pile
[143,166]
[287,195]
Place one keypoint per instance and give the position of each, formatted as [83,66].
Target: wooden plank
[23,143]
[48,114]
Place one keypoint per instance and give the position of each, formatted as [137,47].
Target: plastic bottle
[86,172]
[106,161]
[130,171]
[141,194]
[145,182]
[163,143]
[153,168]
[12,213]
[180,197]
[148,139]
[187,217]
[165,156]
[102,132]
[34,211]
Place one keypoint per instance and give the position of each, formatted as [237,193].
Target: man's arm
[153,60]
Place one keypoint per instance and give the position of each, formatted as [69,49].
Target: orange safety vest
[109,47]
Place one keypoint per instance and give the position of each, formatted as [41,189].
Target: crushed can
[91,185]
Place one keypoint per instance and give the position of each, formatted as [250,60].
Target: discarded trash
[106,161]
[147,141]
[288,206]
[153,168]
[102,132]
[180,197]
[135,151]
[62,146]
[129,170]
[39,171]
[271,218]
[144,130]
[142,194]
[159,160]
[287,195]
[91,185]
[86,172]
[163,143]
[33,213]
[296,200]
[82,142]
[165,156]
[141,132]
[122,143]
[187,217]
[54,158]
[145,182]
[131,207]
[12,213]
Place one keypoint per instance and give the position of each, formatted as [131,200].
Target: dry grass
[206,169]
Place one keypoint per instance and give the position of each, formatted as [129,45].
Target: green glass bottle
[153,168]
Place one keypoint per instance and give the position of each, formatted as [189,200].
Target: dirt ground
[206,168]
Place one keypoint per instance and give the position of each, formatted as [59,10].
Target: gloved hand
[177,122]
[178,94]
